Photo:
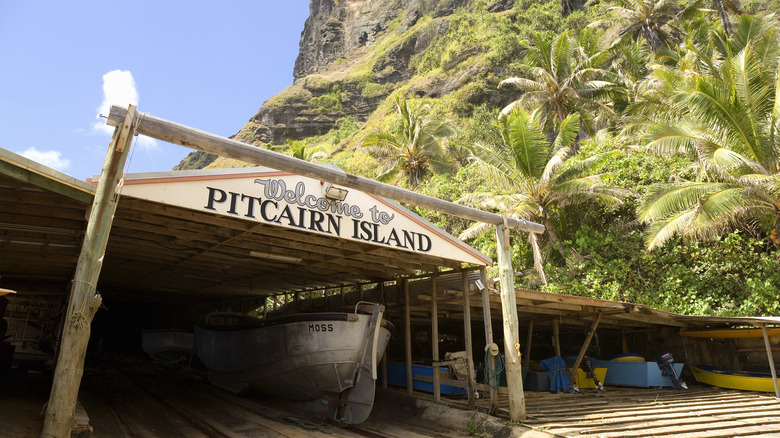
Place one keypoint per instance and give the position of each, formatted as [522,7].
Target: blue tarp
[556,369]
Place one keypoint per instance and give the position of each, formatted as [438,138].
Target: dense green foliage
[681,97]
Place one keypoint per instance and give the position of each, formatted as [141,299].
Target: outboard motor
[665,362]
[587,365]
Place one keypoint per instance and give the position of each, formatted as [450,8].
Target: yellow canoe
[730,333]
[733,380]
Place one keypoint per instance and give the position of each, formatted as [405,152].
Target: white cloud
[51,159]
[119,89]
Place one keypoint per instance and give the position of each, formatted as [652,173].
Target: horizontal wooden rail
[175,133]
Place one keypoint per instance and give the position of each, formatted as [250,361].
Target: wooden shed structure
[183,244]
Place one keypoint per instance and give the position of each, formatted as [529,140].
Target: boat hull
[734,380]
[320,360]
[636,373]
[157,342]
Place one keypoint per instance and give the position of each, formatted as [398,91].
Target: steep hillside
[356,53]
[615,82]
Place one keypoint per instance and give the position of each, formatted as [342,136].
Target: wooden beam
[488,321]
[435,335]
[486,306]
[408,336]
[32,173]
[84,299]
[771,359]
[528,339]
[584,348]
[557,336]
[513,368]
[175,133]
[467,338]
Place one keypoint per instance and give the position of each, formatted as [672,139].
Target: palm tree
[723,7]
[533,180]
[561,78]
[299,150]
[732,127]
[648,19]
[416,148]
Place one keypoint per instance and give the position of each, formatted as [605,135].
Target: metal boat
[325,361]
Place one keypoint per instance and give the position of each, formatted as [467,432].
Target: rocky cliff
[353,54]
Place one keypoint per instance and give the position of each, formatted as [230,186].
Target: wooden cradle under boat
[325,361]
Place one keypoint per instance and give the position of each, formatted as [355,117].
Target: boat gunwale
[288,319]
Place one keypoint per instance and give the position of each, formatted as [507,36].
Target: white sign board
[292,201]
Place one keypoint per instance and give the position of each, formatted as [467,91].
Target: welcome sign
[301,203]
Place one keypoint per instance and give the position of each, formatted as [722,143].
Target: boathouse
[176,246]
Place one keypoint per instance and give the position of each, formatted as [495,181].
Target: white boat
[325,361]
[170,345]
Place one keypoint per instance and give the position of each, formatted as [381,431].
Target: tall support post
[435,336]
[408,336]
[489,359]
[557,336]
[84,298]
[514,374]
[528,339]
[467,338]
[486,306]
[771,359]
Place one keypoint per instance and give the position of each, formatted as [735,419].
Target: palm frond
[659,232]
[666,138]
[533,239]
[475,230]
[663,200]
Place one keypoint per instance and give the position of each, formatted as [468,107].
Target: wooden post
[584,348]
[771,359]
[557,337]
[408,336]
[467,338]
[489,359]
[196,139]
[528,339]
[84,298]
[514,373]
[486,306]
[435,336]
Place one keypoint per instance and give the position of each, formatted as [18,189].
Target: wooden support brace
[584,348]
[84,299]
[435,334]
[196,139]
[467,337]
[771,359]
[513,368]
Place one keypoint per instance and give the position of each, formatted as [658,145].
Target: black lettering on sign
[321,327]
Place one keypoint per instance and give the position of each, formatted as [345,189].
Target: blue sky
[208,65]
